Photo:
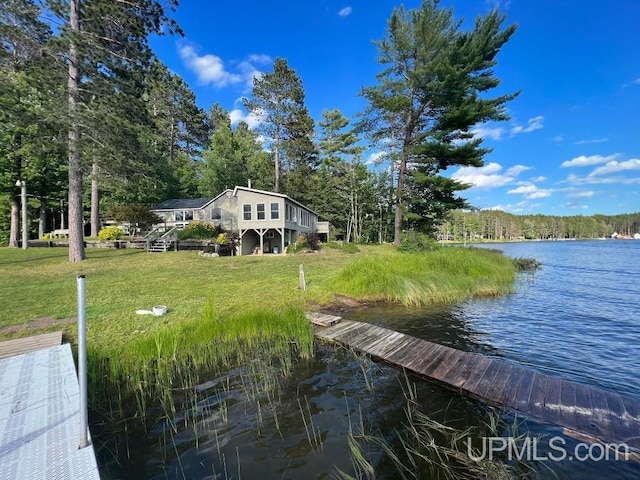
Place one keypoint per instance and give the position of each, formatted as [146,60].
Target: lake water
[577,317]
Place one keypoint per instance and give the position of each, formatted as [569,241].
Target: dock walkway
[584,411]
[39,413]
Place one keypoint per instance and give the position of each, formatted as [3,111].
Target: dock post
[82,365]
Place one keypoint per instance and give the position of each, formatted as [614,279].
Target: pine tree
[106,42]
[278,98]
[431,92]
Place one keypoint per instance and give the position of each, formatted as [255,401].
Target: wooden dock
[20,346]
[40,412]
[583,411]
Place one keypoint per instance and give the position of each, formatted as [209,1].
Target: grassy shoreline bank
[220,310]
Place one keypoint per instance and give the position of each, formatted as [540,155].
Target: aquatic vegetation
[442,275]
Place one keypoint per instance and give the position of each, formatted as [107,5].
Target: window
[183,216]
[260,211]
[275,211]
[305,218]
[247,212]
[270,234]
[287,212]
[216,214]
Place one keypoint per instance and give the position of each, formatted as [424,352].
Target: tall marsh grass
[150,372]
[443,275]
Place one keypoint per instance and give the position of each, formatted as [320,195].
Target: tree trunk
[276,157]
[14,235]
[95,201]
[76,227]
[397,224]
[42,220]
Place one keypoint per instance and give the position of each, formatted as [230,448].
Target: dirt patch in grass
[37,323]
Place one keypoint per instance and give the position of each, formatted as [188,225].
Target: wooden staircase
[161,245]
[162,240]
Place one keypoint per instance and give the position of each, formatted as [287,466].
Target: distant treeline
[497,225]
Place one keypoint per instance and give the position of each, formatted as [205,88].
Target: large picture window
[275,211]
[260,211]
[246,212]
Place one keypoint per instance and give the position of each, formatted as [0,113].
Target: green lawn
[40,282]
[220,310]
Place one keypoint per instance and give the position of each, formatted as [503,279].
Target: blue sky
[572,145]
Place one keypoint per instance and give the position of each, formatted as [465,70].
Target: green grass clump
[442,275]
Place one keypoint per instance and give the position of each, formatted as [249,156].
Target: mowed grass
[41,283]
[222,310]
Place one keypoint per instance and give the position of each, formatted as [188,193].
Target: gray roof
[182,203]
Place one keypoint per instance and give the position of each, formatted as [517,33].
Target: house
[267,222]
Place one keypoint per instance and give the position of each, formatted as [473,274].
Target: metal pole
[82,364]
[25,232]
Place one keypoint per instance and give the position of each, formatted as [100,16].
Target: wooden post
[301,283]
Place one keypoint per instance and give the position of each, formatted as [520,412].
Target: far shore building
[267,222]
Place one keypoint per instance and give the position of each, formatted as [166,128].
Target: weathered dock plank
[585,411]
[21,346]
[322,319]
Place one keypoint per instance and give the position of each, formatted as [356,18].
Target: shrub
[135,214]
[526,264]
[199,231]
[305,242]
[413,242]
[109,234]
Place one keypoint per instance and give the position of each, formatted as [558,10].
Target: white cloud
[375,158]
[596,180]
[210,69]
[345,12]
[238,115]
[582,194]
[484,131]
[524,189]
[615,167]
[516,170]
[637,81]
[498,4]
[248,68]
[534,123]
[530,191]
[513,208]
[542,193]
[538,179]
[583,161]
[558,139]
[488,176]
[575,205]
[594,140]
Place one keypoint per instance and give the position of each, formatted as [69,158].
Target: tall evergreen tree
[433,86]
[106,41]
[278,98]
[30,108]
[233,157]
